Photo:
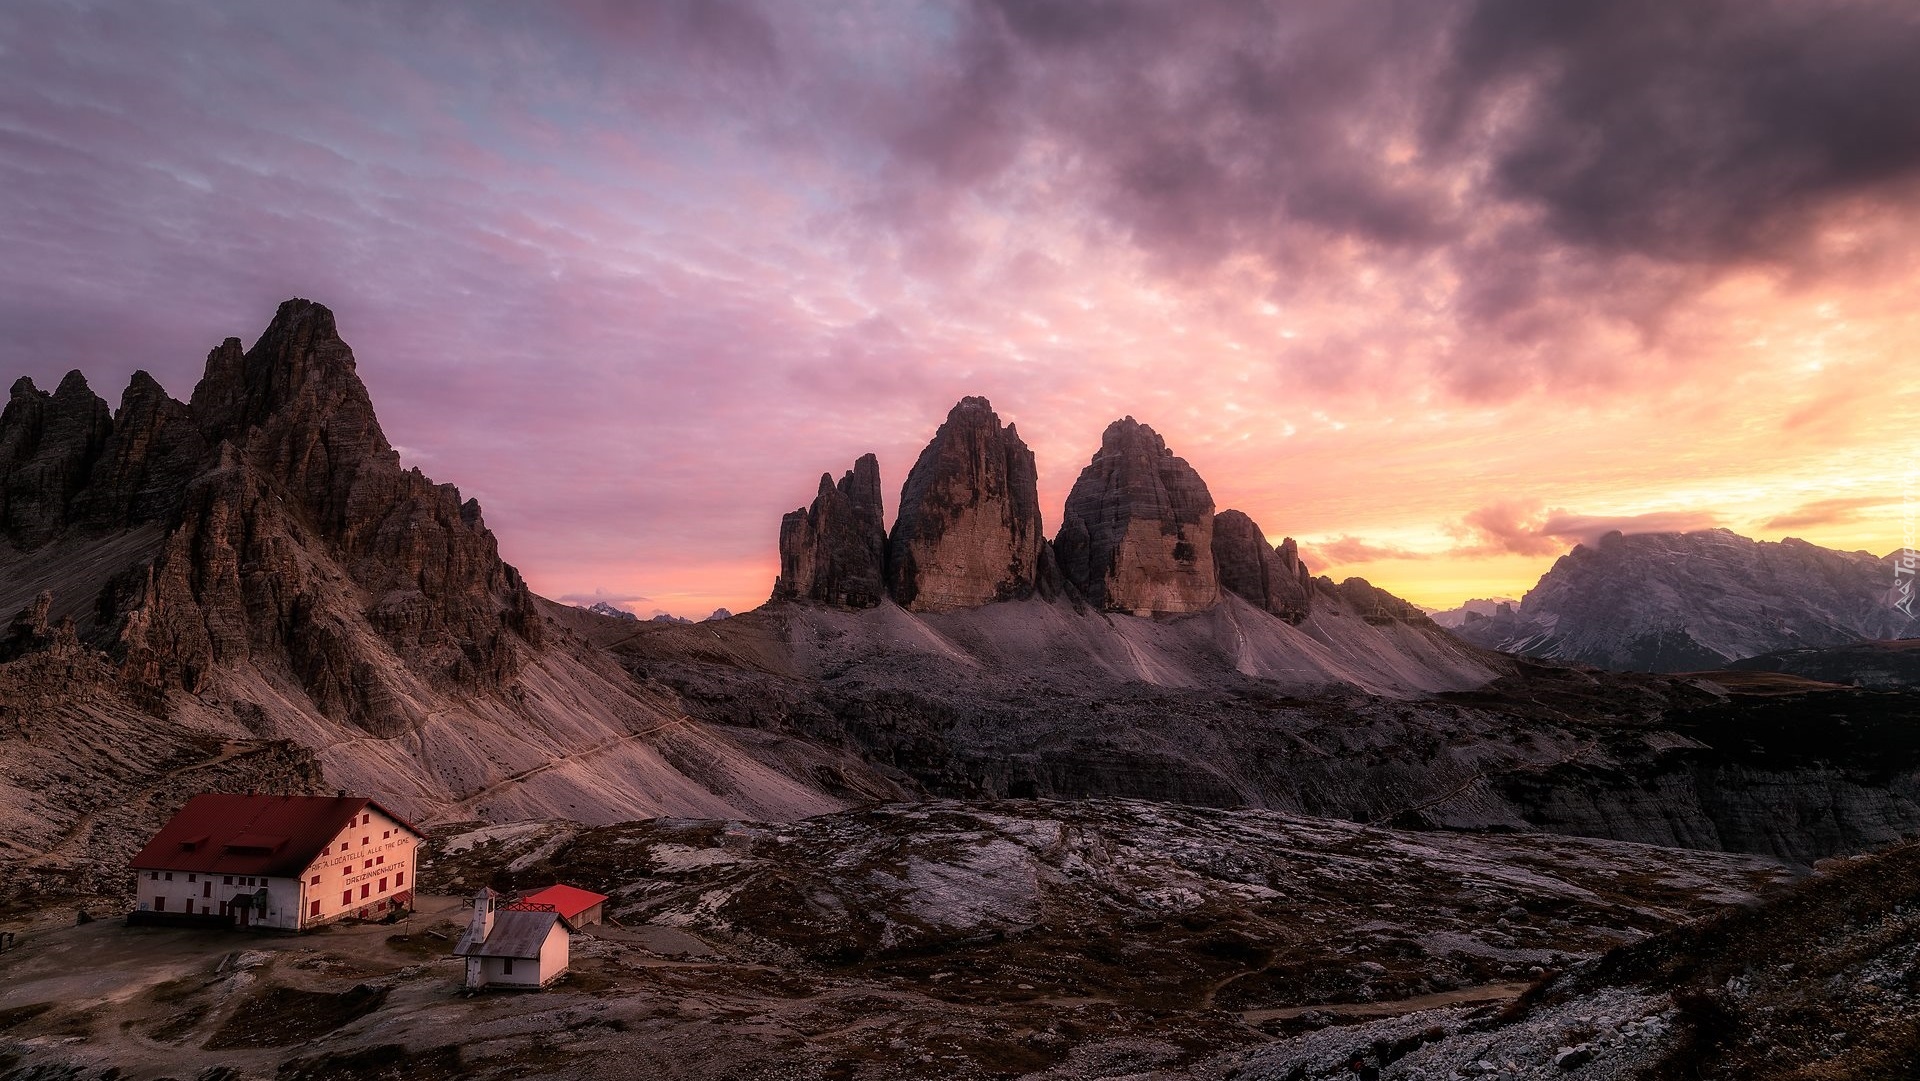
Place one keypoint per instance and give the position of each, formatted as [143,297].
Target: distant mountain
[1675,602]
[1453,617]
[605,609]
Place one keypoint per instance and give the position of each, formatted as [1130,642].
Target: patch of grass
[386,1062]
[424,946]
[174,990]
[20,1015]
[284,1016]
[180,1025]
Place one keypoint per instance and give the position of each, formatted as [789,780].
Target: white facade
[211,894]
[364,871]
[367,868]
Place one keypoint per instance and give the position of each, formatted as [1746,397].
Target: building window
[384,834]
[206,888]
[159,904]
[343,846]
[366,819]
[399,879]
[227,881]
[380,859]
[383,885]
[346,897]
[153,876]
[169,876]
[366,890]
[365,841]
[192,878]
[506,966]
[315,882]
[313,908]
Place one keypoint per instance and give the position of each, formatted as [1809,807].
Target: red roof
[569,901]
[273,836]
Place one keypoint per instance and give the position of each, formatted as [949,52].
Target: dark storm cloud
[1572,172]
[1706,130]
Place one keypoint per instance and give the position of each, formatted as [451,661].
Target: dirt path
[1465,996]
[465,803]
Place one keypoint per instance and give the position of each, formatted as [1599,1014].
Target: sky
[1439,288]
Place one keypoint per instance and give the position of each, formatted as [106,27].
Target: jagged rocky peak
[48,444]
[1271,577]
[297,402]
[834,552]
[968,532]
[1138,534]
[153,453]
[289,536]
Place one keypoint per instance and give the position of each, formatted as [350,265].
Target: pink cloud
[636,274]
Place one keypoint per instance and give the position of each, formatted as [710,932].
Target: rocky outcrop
[1272,578]
[1373,604]
[834,552]
[48,444]
[154,451]
[1674,602]
[968,530]
[288,529]
[1138,530]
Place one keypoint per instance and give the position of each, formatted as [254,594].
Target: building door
[242,908]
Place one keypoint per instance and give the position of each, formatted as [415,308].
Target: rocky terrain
[938,940]
[1819,981]
[250,589]
[1345,714]
[1146,800]
[1679,602]
[1873,665]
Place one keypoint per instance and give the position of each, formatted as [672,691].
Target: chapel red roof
[569,901]
[273,836]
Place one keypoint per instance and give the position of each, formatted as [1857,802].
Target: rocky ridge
[256,566]
[1270,577]
[1675,602]
[1140,534]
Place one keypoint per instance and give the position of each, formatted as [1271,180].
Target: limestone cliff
[834,552]
[1270,577]
[968,530]
[1138,532]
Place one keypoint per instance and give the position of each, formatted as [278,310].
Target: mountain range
[1676,602]
[247,589]
[1142,797]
